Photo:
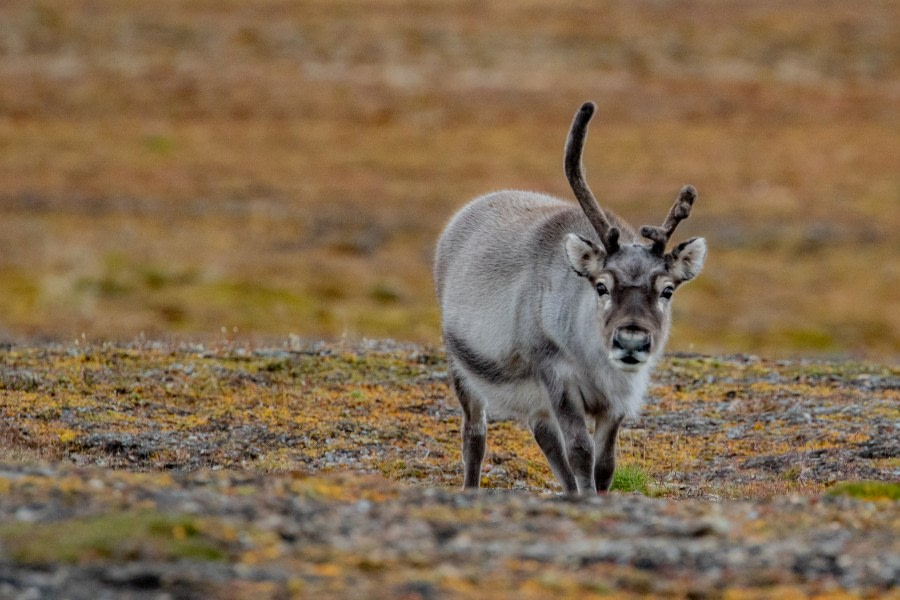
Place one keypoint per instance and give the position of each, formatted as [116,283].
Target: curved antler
[609,235]
[680,211]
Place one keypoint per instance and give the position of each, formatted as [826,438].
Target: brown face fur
[633,313]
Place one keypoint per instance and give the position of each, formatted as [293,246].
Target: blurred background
[262,169]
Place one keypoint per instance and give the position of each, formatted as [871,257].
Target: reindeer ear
[585,256]
[686,260]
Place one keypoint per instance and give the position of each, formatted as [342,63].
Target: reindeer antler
[680,211]
[609,235]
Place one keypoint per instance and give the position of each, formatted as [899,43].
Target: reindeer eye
[601,289]
[667,292]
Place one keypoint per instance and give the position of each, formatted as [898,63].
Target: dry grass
[16,451]
[179,167]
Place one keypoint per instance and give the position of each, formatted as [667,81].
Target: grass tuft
[630,478]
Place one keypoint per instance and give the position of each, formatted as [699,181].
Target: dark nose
[632,339]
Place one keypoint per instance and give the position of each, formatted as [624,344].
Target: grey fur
[556,318]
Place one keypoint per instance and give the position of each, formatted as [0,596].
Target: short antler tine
[612,240]
[681,210]
[657,236]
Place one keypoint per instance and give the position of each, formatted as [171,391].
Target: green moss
[20,293]
[791,473]
[159,145]
[120,536]
[155,278]
[248,304]
[384,293]
[809,339]
[107,286]
[869,490]
[275,366]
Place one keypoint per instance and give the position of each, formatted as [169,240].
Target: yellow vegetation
[261,168]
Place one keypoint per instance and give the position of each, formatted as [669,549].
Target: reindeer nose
[632,339]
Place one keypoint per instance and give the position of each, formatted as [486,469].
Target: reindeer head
[633,281]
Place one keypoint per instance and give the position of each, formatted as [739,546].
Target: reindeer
[555,315]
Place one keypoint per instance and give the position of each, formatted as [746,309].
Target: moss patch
[869,490]
[118,536]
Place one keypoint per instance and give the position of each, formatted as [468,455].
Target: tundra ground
[319,470]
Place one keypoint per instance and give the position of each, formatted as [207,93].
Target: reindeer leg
[474,430]
[579,446]
[605,434]
[547,435]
